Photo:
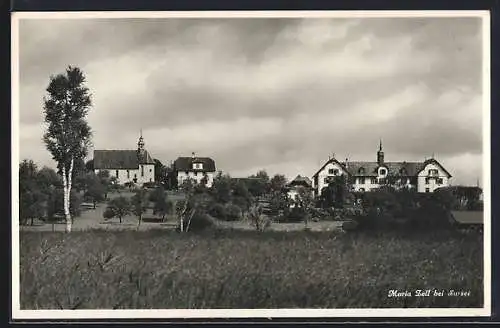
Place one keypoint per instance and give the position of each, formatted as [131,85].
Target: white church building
[135,166]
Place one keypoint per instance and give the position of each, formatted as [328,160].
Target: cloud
[280,94]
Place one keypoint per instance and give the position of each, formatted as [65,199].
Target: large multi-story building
[424,176]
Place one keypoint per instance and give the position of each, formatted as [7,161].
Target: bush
[150,185]
[296,214]
[218,211]
[233,212]
[199,222]
[108,213]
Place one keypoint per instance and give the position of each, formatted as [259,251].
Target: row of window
[135,175]
[197,173]
[362,171]
[439,181]
[362,180]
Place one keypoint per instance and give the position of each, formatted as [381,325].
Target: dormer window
[197,166]
[382,171]
[361,170]
[433,172]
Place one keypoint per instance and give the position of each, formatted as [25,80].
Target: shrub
[199,222]
[296,214]
[150,185]
[218,211]
[233,212]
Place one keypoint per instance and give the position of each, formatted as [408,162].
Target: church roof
[120,159]
[186,164]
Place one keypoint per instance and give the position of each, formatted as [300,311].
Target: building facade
[423,176]
[293,187]
[127,166]
[201,170]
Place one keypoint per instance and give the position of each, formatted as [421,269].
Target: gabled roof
[368,169]
[332,161]
[300,180]
[120,159]
[393,168]
[435,162]
[186,164]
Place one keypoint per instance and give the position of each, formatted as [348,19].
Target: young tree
[118,208]
[104,178]
[31,197]
[94,188]
[160,172]
[278,182]
[159,199]
[68,134]
[305,201]
[221,188]
[258,184]
[140,202]
[242,197]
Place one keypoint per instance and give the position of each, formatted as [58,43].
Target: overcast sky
[264,93]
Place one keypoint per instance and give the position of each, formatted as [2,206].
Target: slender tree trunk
[67,205]
[66,201]
[140,219]
[120,219]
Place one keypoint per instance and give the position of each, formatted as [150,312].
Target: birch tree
[68,134]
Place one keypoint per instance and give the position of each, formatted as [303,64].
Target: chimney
[346,162]
[192,155]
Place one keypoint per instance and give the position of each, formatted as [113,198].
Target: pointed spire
[140,143]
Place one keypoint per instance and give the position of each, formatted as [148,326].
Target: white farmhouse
[424,176]
[199,169]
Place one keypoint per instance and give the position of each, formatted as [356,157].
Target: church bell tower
[140,147]
[380,154]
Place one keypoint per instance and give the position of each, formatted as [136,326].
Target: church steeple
[140,143]
[380,154]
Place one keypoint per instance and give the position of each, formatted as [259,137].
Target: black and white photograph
[250,164]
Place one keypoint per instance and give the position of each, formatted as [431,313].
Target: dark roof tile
[119,159]
[186,164]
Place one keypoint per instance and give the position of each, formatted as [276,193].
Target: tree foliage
[258,184]
[278,182]
[118,207]
[31,197]
[68,134]
[140,203]
[221,188]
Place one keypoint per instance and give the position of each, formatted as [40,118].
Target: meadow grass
[246,269]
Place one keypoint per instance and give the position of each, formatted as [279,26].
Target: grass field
[245,269]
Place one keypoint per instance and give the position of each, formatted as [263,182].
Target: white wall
[123,177]
[367,185]
[432,185]
[324,174]
[183,175]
